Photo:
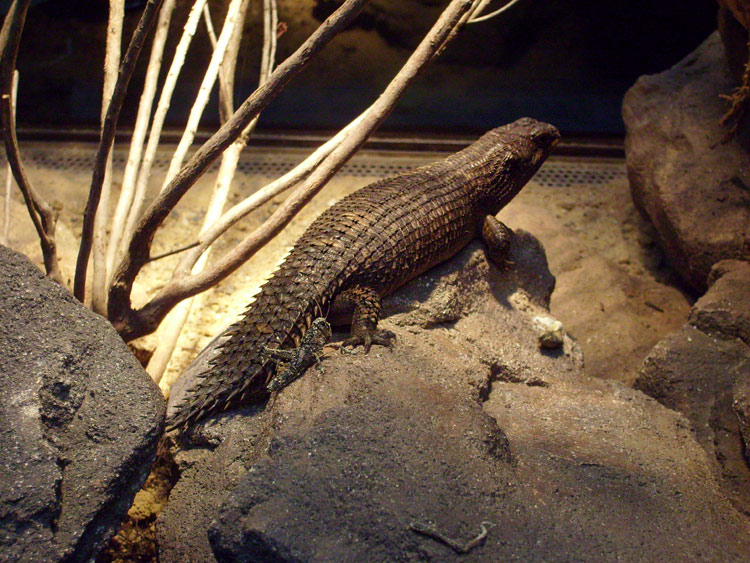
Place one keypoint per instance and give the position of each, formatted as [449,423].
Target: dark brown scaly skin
[363,248]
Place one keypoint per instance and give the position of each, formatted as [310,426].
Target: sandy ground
[614,293]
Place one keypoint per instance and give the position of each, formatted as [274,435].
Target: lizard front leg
[299,359]
[280,355]
[365,319]
[498,237]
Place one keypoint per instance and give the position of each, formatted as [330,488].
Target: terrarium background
[565,61]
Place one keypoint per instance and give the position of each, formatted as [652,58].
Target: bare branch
[172,327]
[156,127]
[447,25]
[477,9]
[263,195]
[127,192]
[101,222]
[5,238]
[120,313]
[173,252]
[497,12]
[226,78]
[107,137]
[201,100]
[41,213]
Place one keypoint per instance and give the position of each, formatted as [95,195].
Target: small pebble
[549,331]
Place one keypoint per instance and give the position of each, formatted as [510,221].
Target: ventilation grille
[564,173]
[274,162]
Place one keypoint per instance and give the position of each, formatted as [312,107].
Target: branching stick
[41,212]
[111,64]
[107,137]
[121,314]
[447,25]
[127,192]
[5,238]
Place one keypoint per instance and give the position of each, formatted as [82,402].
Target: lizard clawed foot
[201,436]
[366,340]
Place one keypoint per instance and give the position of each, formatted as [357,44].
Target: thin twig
[121,314]
[201,100]
[160,114]
[42,214]
[111,63]
[180,288]
[107,137]
[226,82]
[491,15]
[173,252]
[9,173]
[431,531]
[127,192]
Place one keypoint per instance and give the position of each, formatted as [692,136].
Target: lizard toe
[367,339]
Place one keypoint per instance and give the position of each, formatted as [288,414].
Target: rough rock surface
[619,314]
[79,421]
[693,187]
[465,421]
[703,371]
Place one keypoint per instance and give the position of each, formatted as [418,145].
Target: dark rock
[464,422]
[693,187]
[79,421]
[702,370]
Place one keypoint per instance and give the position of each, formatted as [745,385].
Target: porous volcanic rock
[79,421]
[703,371]
[691,184]
[465,422]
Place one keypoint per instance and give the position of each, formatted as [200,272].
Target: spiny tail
[239,371]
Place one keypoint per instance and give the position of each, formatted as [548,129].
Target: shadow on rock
[463,424]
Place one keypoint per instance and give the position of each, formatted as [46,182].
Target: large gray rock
[465,421]
[691,185]
[79,421]
[703,371]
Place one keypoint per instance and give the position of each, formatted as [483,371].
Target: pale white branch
[446,26]
[158,123]
[127,192]
[9,172]
[201,100]
[112,55]
[497,12]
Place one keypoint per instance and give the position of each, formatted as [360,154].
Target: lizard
[296,361]
[364,247]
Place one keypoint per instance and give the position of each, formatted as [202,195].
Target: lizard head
[321,329]
[513,154]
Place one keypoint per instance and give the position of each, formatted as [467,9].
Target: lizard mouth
[547,136]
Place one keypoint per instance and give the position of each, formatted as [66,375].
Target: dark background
[565,61]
